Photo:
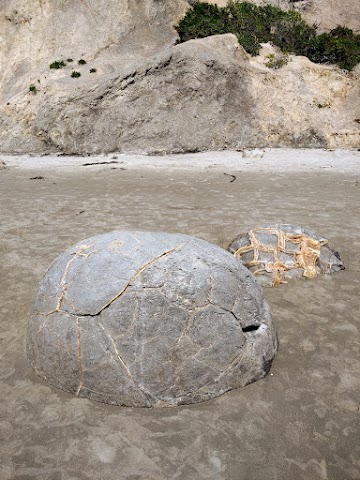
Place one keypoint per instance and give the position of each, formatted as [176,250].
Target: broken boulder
[277,253]
[149,319]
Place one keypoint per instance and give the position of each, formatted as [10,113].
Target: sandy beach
[301,422]
[255,160]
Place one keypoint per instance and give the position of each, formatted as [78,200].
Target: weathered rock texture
[149,95]
[278,253]
[149,319]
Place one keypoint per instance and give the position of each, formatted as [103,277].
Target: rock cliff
[138,91]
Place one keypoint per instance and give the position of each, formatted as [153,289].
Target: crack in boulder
[149,396]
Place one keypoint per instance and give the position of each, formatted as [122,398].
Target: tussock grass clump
[33,89]
[276,61]
[287,30]
[57,64]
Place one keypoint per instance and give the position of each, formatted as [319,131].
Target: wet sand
[301,422]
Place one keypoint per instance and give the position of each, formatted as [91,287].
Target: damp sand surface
[301,422]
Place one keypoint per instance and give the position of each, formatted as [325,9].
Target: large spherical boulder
[149,319]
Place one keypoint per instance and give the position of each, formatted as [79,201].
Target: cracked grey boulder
[278,253]
[149,319]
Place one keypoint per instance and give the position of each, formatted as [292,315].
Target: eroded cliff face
[112,34]
[150,95]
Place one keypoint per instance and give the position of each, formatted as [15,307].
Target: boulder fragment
[275,254]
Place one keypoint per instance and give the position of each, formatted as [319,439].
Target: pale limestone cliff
[151,95]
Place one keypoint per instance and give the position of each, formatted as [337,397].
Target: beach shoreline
[251,160]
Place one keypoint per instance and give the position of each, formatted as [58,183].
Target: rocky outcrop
[140,92]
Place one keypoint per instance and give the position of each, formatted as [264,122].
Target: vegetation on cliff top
[287,30]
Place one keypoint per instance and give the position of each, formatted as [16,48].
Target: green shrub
[82,61]
[255,25]
[69,60]
[203,20]
[251,24]
[341,46]
[322,105]
[75,74]
[276,61]
[58,64]
[92,70]
[261,24]
[33,89]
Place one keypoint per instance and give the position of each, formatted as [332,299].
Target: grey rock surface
[277,253]
[149,319]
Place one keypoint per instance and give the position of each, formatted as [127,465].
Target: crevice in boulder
[250,328]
